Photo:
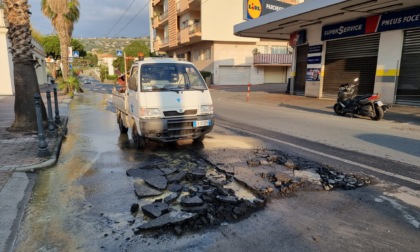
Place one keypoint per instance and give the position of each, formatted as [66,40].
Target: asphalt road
[82,204]
[386,149]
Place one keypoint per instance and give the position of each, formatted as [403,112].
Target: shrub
[111,76]
[205,74]
[70,85]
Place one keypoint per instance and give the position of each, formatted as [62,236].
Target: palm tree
[63,14]
[17,14]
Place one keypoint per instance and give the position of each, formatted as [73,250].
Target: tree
[51,46]
[132,50]
[77,46]
[63,14]
[92,59]
[103,72]
[26,85]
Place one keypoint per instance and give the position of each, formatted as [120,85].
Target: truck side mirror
[132,83]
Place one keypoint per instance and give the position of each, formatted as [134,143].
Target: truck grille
[181,127]
[176,113]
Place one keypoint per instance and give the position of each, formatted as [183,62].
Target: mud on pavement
[185,191]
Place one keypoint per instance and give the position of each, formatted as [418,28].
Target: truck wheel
[139,141]
[200,138]
[123,129]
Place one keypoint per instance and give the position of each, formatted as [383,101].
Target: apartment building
[201,31]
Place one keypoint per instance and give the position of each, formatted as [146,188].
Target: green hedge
[111,76]
[205,74]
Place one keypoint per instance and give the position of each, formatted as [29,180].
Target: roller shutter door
[234,75]
[301,65]
[350,58]
[408,90]
[274,74]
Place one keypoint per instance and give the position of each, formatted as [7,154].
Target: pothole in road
[182,191]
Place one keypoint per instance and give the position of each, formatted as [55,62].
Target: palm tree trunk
[26,84]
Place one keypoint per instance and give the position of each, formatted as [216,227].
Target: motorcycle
[365,105]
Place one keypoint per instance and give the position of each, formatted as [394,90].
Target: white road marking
[404,213]
[391,174]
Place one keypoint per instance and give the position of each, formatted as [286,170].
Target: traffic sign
[75,54]
[119,53]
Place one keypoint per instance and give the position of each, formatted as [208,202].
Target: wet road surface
[83,203]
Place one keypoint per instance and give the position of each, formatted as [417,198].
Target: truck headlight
[207,109]
[151,112]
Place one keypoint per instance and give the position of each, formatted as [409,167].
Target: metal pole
[125,71]
[42,144]
[51,127]
[57,113]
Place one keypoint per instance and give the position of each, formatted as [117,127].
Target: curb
[54,157]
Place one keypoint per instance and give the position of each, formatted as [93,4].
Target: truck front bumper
[176,128]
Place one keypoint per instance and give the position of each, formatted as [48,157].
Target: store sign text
[386,22]
[344,29]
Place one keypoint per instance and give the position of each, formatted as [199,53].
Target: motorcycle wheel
[379,113]
[339,110]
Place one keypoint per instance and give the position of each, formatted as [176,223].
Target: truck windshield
[170,77]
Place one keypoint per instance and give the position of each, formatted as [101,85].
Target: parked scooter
[365,105]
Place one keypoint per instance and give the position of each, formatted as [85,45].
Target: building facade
[201,31]
[336,41]
[7,86]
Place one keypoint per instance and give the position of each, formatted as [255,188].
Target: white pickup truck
[165,100]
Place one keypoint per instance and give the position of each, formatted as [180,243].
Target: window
[196,55]
[165,77]
[132,81]
[263,49]
[278,50]
[184,24]
[207,54]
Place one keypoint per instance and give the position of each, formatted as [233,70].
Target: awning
[280,24]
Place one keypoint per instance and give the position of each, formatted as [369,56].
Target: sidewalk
[19,151]
[19,154]
[274,95]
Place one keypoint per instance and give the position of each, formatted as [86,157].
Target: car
[87,82]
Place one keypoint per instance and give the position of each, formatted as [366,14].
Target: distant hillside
[108,45]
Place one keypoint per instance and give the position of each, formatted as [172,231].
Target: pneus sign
[378,23]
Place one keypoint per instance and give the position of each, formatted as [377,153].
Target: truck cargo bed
[118,100]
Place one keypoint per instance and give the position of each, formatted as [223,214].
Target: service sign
[346,29]
[399,20]
[257,8]
[379,23]
[315,49]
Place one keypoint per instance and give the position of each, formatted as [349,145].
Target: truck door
[133,88]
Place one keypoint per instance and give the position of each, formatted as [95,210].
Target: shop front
[375,41]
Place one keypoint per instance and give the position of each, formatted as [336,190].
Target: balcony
[273,59]
[155,2]
[155,22]
[183,5]
[195,30]
[156,45]
[184,35]
[163,17]
[165,43]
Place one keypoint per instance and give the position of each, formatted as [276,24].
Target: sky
[98,19]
